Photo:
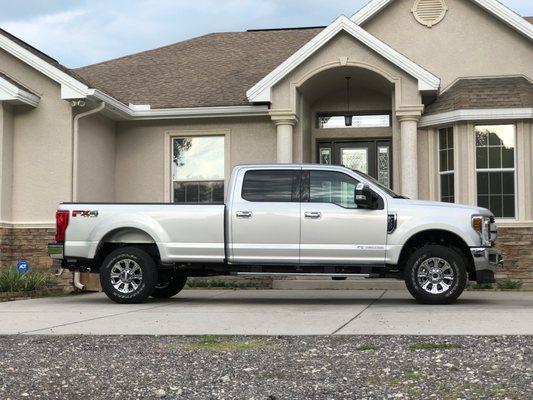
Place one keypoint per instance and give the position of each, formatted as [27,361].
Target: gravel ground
[38,367]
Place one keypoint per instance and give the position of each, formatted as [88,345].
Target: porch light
[348,118]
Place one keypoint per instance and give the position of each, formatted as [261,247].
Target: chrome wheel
[126,276]
[435,275]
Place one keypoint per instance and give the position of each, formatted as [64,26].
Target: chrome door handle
[244,214]
[313,214]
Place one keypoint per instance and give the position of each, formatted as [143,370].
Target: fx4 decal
[84,213]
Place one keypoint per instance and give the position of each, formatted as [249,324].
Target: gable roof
[494,7]
[72,86]
[208,71]
[261,92]
[11,90]
[484,93]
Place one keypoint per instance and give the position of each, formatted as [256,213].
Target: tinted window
[271,186]
[332,187]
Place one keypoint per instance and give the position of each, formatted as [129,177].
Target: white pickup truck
[281,220]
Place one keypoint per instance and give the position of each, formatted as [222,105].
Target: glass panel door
[373,157]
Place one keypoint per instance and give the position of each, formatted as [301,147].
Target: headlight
[482,225]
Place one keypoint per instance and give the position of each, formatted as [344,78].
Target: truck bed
[181,232]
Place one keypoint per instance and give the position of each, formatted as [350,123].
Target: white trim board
[144,112]
[483,114]
[11,92]
[71,88]
[494,7]
[261,92]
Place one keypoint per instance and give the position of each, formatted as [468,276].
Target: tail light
[61,225]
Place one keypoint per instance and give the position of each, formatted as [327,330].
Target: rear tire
[169,285]
[436,274]
[128,275]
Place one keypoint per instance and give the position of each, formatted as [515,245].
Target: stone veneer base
[30,244]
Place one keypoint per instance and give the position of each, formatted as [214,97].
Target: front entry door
[373,157]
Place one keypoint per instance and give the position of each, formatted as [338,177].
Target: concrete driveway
[273,312]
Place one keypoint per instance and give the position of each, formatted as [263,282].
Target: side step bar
[335,275]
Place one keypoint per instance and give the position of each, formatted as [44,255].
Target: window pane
[495,157]
[443,160]
[358,121]
[198,158]
[325,155]
[332,187]
[482,158]
[446,165]
[508,206]
[483,183]
[495,152]
[384,165]
[356,159]
[271,186]
[199,192]
[508,182]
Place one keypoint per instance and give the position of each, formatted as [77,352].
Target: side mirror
[364,197]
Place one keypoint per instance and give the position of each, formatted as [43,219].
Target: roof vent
[429,12]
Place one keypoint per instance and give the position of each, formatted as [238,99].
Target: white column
[284,122]
[284,143]
[409,155]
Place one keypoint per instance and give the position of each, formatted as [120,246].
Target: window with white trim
[495,168]
[198,169]
[446,165]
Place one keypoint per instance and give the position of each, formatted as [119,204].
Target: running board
[336,275]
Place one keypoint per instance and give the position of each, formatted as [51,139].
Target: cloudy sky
[84,32]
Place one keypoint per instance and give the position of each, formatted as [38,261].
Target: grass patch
[12,281]
[220,344]
[412,375]
[435,346]
[508,284]
[367,347]
[479,286]
[223,284]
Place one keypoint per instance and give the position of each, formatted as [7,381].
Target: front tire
[128,275]
[169,285]
[436,274]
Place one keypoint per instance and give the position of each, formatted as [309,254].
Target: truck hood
[448,206]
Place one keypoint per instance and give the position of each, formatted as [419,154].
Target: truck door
[265,217]
[333,229]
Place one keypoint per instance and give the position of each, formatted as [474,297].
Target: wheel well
[125,237]
[441,237]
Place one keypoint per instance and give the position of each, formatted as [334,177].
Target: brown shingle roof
[529,19]
[506,92]
[211,70]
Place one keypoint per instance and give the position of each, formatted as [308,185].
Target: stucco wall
[41,146]
[96,173]
[6,161]
[140,161]
[467,42]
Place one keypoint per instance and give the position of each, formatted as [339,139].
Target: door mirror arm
[365,197]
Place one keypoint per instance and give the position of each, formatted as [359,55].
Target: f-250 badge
[84,213]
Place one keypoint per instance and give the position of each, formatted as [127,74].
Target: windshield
[375,182]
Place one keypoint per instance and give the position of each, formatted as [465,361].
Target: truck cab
[285,219]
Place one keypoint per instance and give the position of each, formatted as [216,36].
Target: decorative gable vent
[429,12]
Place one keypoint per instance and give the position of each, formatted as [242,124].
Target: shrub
[12,281]
[221,283]
[509,284]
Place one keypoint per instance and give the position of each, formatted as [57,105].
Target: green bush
[12,281]
[509,284]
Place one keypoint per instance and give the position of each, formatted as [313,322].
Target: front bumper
[56,250]
[486,261]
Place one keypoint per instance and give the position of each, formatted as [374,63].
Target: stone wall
[28,244]
[516,245]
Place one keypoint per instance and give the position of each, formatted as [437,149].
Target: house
[433,98]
